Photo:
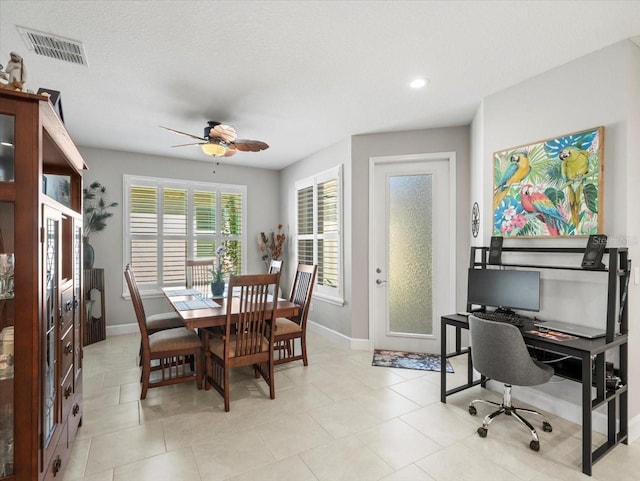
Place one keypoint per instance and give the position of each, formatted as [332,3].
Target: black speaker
[495,250]
[593,252]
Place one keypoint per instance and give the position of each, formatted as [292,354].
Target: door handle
[380,281]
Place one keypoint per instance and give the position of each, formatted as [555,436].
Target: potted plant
[96,213]
[217,284]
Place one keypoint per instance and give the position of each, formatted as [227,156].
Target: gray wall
[598,89]
[453,139]
[108,168]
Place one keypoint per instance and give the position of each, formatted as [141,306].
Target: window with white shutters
[168,221]
[319,230]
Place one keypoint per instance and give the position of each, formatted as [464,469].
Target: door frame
[450,158]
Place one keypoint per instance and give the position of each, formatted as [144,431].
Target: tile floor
[337,419]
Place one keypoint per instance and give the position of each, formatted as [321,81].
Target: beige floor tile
[131,392]
[397,443]
[78,459]
[193,428]
[122,376]
[179,465]
[418,390]
[125,446]
[289,469]
[385,403]
[103,476]
[377,377]
[343,418]
[343,387]
[410,473]
[346,459]
[231,454]
[438,422]
[108,419]
[105,396]
[458,462]
[288,435]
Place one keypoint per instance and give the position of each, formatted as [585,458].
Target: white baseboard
[351,343]
[120,329]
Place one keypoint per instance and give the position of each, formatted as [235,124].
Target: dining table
[197,308]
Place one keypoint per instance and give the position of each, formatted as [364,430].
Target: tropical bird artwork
[575,166]
[519,167]
[546,211]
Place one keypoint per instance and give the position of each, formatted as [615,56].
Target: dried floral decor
[271,245]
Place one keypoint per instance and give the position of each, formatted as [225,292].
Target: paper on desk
[195,304]
[555,335]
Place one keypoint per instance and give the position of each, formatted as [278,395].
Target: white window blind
[319,230]
[169,221]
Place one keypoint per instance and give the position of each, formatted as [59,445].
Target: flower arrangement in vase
[217,283]
[272,245]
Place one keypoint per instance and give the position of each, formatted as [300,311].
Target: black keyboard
[506,317]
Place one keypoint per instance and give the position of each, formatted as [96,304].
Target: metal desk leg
[586,415]
[443,362]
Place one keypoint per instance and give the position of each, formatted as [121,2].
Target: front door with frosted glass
[410,276]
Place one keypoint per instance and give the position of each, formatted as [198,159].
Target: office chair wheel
[483,432]
[535,445]
[472,410]
[546,427]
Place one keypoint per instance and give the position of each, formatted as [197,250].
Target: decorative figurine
[15,74]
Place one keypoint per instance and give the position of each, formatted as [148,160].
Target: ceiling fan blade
[183,133]
[246,145]
[230,152]
[194,143]
[227,133]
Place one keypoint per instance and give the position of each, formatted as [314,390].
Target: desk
[591,354]
[217,316]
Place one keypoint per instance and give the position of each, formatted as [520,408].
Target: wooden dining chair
[197,272]
[288,330]
[178,351]
[248,336]
[275,266]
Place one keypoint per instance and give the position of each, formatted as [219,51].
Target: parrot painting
[540,204]
[517,170]
[575,165]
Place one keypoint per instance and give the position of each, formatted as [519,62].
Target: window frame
[329,294]
[155,290]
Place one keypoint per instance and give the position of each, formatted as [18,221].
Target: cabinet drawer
[66,352]
[67,309]
[66,394]
[58,461]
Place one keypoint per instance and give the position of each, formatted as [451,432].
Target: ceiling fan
[221,140]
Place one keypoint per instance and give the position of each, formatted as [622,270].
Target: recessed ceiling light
[418,83]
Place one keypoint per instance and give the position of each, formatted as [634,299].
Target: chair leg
[226,389]
[146,374]
[303,342]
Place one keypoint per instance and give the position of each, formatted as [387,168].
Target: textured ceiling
[299,75]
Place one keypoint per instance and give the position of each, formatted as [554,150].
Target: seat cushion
[286,326]
[164,320]
[216,346]
[174,339]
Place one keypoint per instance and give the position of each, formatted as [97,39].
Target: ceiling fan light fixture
[216,150]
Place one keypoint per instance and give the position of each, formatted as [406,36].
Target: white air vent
[52,46]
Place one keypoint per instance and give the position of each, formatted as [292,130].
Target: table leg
[443,362]
[586,415]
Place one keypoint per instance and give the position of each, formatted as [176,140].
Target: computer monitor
[507,289]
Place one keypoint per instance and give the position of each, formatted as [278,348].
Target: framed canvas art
[550,188]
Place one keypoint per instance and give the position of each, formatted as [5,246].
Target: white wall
[108,168]
[598,89]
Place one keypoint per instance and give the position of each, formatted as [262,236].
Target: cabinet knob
[68,306]
[76,409]
[68,349]
[57,464]
[67,392]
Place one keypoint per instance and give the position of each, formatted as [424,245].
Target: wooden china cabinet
[40,289]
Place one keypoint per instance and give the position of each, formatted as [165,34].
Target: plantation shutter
[328,231]
[143,233]
[305,225]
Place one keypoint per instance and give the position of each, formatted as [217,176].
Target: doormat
[408,360]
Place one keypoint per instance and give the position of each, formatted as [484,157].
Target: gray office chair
[499,353]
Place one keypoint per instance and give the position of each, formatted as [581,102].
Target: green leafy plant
[96,208]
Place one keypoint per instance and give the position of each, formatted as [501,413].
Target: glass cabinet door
[7,140]
[51,276]
[7,312]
